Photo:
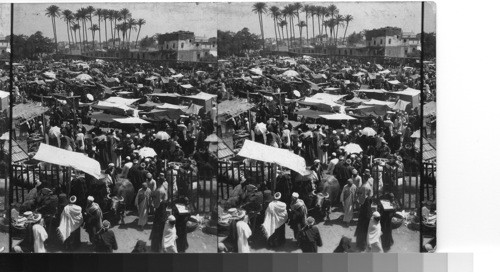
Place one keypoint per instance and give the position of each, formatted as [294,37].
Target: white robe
[39,235]
[374,236]
[71,219]
[276,216]
[244,232]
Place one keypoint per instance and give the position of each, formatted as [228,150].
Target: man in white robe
[142,202]
[374,241]
[274,221]
[347,197]
[244,232]
[71,220]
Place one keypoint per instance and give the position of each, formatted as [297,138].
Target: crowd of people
[365,176]
[145,166]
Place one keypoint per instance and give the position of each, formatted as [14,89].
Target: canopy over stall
[337,116]
[265,153]
[58,156]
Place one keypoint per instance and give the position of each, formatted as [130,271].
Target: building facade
[188,47]
[388,42]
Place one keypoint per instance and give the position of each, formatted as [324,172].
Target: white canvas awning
[202,96]
[58,156]
[131,120]
[323,98]
[172,106]
[187,86]
[265,153]
[337,116]
[121,100]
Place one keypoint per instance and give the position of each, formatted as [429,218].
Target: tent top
[202,96]
[130,120]
[58,156]
[265,153]
[337,116]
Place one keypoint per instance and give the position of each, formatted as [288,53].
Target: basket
[396,221]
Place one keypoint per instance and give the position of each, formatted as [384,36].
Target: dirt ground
[128,234]
[405,240]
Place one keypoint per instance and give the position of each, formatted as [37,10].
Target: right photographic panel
[326,127]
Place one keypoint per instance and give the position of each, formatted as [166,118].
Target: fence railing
[200,190]
[406,183]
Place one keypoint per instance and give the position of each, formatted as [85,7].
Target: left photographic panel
[114,103]
[5,31]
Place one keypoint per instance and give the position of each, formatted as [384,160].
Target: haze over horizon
[367,15]
[160,18]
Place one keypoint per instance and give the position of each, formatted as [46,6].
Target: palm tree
[100,16]
[284,23]
[123,27]
[313,10]
[288,11]
[90,11]
[275,13]
[116,17]
[68,17]
[340,21]
[347,19]
[260,8]
[94,28]
[307,10]
[80,17]
[301,25]
[53,11]
[140,23]
[105,16]
[297,7]
[76,27]
[131,23]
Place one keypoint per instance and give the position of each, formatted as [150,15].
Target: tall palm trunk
[314,35]
[307,28]
[320,28]
[137,39]
[288,36]
[105,33]
[67,29]
[262,31]
[275,34]
[100,41]
[80,33]
[345,31]
[337,34]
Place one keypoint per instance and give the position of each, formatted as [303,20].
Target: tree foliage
[31,47]
[355,38]
[147,42]
[238,44]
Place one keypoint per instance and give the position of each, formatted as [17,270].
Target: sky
[4,19]
[367,15]
[160,18]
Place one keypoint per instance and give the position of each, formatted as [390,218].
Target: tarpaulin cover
[202,96]
[379,102]
[104,117]
[233,107]
[311,113]
[265,153]
[121,100]
[322,98]
[400,105]
[27,111]
[103,105]
[166,106]
[193,109]
[187,86]
[408,92]
[58,156]
[131,120]
[162,115]
[337,116]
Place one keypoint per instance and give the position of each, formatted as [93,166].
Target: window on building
[182,45]
[380,41]
[167,46]
[404,40]
[406,50]
[374,42]
[197,44]
[198,56]
[389,41]
[350,51]
[173,45]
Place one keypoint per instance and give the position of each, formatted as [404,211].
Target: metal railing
[200,190]
[406,183]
